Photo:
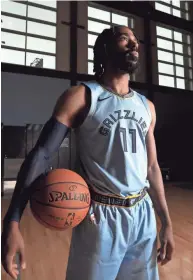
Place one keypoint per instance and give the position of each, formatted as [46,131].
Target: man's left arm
[157,194]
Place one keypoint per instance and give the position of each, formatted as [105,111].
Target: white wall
[29,99]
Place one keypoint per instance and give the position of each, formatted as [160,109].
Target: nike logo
[101,99]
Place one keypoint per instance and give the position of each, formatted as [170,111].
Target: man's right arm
[67,114]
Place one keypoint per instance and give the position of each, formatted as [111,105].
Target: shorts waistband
[116,201]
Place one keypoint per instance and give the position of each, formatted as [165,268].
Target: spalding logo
[60,196]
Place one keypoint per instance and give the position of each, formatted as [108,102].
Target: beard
[124,62]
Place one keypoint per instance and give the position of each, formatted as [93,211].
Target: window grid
[28,18]
[28,50]
[110,23]
[183,9]
[186,71]
[173,45]
[28,35]
[185,3]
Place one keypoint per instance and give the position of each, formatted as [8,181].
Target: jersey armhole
[144,99]
[92,108]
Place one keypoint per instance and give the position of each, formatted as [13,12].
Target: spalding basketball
[60,200]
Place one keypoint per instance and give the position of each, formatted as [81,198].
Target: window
[90,54]
[29,33]
[41,45]
[50,3]
[176,8]
[165,68]
[90,68]
[12,56]
[166,81]
[12,23]
[165,56]
[12,40]
[91,39]
[97,26]
[174,58]
[99,14]
[163,44]
[47,61]
[121,20]
[13,8]
[164,32]
[39,13]
[179,59]
[41,29]
[98,20]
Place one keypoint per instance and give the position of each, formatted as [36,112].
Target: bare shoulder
[151,105]
[153,113]
[72,105]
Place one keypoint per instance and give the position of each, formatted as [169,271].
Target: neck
[118,83]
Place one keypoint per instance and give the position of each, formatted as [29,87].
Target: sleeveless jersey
[111,142]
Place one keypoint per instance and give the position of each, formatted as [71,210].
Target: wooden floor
[47,251]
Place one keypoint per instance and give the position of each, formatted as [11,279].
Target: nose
[132,45]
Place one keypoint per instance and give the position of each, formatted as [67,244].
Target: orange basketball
[60,200]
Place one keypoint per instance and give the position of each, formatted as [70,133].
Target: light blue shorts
[115,243]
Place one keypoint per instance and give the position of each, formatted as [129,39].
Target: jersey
[111,144]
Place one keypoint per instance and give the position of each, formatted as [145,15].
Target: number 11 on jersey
[123,131]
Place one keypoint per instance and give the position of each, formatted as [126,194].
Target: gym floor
[47,251]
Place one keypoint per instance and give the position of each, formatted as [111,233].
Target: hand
[12,243]
[166,250]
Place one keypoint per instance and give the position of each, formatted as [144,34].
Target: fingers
[169,254]
[158,256]
[165,254]
[163,250]
[15,273]
[10,267]
[22,259]
[165,261]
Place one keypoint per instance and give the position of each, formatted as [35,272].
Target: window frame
[185,65]
[173,7]
[26,34]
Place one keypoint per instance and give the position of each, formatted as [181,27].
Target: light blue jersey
[111,142]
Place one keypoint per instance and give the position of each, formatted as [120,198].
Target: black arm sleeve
[35,164]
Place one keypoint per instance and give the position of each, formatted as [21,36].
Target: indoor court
[47,255]
[46,48]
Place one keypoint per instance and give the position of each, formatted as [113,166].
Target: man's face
[123,55]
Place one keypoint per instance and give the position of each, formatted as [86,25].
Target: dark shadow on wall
[174,136]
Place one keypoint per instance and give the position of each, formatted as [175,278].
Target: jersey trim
[145,102]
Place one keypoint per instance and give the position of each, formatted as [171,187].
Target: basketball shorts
[115,243]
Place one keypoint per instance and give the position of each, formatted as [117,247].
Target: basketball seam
[46,204]
[50,226]
[62,183]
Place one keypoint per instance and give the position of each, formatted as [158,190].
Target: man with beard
[114,128]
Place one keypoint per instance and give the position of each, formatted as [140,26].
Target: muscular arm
[156,190]
[68,112]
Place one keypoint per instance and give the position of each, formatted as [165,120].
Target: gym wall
[173,134]
[29,99]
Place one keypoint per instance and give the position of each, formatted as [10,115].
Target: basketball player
[114,127]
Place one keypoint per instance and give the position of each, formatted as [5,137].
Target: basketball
[60,199]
